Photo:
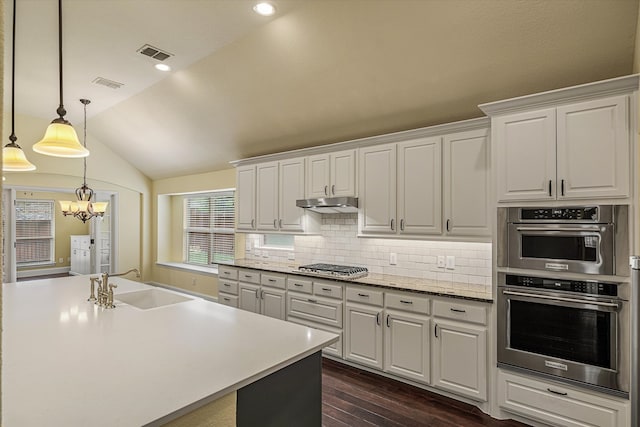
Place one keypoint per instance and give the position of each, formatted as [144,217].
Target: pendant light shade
[60,139]
[13,158]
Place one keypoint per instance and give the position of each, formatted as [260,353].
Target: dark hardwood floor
[352,397]
[48,276]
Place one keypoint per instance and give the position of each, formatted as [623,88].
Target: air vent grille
[154,52]
[108,83]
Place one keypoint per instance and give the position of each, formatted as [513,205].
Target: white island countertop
[67,362]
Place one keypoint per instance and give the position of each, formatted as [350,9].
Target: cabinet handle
[457,310]
[226,299]
[275,223]
[257,294]
[326,193]
[435,330]
[402,225]
[559,393]
[297,284]
[562,187]
[226,284]
[327,289]
[406,302]
[314,301]
[253,223]
[363,295]
[549,188]
[271,280]
[448,221]
[280,223]
[333,189]
[388,325]
[378,319]
[262,295]
[392,225]
[248,276]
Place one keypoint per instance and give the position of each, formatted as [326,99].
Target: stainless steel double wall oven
[562,311]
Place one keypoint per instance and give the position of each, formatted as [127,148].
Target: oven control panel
[577,213]
[576,286]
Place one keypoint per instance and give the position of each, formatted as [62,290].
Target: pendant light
[84,208]
[13,158]
[60,139]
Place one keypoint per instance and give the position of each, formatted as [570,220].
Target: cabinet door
[364,335]
[593,149]
[249,297]
[466,183]
[343,173]
[459,359]
[273,303]
[246,198]
[318,176]
[419,186]
[526,155]
[406,345]
[291,189]
[267,196]
[378,189]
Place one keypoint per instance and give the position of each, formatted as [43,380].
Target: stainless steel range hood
[330,204]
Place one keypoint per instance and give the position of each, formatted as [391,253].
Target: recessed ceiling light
[264,9]
[162,67]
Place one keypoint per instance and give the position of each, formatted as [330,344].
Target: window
[34,232]
[277,241]
[209,228]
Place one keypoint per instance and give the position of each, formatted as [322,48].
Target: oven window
[572,334]
[570,248]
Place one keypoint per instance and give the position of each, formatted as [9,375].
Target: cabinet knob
[393,223]
[275,223]
[378,319]
[280,223]
[402,225]
[326,190]
[253,223]
[333,190]
[388,325]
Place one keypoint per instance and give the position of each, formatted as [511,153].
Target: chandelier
[84,208]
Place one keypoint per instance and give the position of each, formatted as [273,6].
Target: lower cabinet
[264,295]
[557,404]
[364,335]
[406,345]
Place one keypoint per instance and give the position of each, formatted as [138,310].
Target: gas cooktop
[333,270]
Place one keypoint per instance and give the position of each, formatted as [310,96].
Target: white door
[267,196]
[364,335]
[249,297]
[420,186]
[460,359]
[246,197]
[466,183]
[526,155]
[273,303]
[102,252]
[378,189]
[343,173]
[593,149]
[406,345]
[291,189]
[318,176]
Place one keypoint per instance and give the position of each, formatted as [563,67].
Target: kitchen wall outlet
[247,245]
[193,281]
[265,254]
[451,262]
[440,261]
[257,253]
[393,258]
[69,259]
[291,256]
[61,260]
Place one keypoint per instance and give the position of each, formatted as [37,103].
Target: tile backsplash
[338,244]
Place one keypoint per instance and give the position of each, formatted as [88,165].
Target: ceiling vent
[154,52]
[108,83]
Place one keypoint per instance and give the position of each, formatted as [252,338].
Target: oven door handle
[609,305]
[592,229]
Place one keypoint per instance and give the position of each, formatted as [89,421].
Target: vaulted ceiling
[319,71]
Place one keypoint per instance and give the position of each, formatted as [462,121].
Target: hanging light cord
[61,111]
[84,140]
[13,138]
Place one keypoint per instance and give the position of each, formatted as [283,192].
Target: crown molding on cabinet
[615,86]
[446,128]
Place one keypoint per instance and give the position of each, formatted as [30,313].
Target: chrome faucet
[105,290]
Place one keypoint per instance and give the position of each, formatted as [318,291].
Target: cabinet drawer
[228,286]
[463,311]
[249,276]
[327,289]
[299,285]
[407,302]
[334,349]
[226,299]
[316,309]
[227,272]
[566,407]
[273,280]
[364,295]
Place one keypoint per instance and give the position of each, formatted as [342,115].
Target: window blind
[209,228]
[34,231]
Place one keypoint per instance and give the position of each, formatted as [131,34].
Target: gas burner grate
[334,270]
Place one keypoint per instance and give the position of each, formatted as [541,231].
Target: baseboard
[42,272]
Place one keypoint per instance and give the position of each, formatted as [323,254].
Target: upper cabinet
[330,175]
[568,144]
[246,198]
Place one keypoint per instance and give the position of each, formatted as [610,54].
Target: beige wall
[64,227]
[107,172]
[167,228]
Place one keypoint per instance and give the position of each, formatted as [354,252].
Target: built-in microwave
[578,239]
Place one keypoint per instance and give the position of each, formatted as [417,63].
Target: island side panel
[291,396]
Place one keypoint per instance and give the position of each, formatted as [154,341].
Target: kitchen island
[67,362]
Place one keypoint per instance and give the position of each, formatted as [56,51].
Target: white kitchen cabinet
[332,174]
[246,198]
[574,151]
[466,183]
[363,334]
[558,404]
[80,254]
[249,297]
[378,189]
[267,196]
[406,345]
[273,302]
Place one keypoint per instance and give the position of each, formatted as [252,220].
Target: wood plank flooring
[352,397]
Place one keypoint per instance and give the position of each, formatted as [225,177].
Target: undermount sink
[150,298]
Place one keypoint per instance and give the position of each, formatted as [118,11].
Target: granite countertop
[62,356]
[388,281]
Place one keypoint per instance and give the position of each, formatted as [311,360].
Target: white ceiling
[320,71]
